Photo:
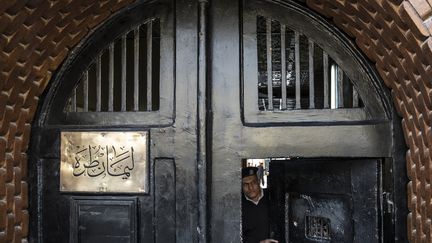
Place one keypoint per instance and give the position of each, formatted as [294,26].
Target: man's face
[251,187]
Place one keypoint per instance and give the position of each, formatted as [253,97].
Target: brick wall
[396,36]
[36,36]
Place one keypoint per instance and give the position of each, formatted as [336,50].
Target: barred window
[296,73]
[124,77]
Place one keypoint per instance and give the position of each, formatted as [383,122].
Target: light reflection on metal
[104,162]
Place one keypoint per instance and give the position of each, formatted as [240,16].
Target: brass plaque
[104,162]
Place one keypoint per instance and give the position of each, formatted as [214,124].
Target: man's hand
[269,241]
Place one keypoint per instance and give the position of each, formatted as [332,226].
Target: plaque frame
[104,161]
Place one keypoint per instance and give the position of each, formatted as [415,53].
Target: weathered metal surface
[100,219]
[222,138]
[343,192]
[305,135]
[168,212]
[104,161]
[165,215]
[203,127]
[397,27]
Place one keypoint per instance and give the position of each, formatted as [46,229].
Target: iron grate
[318,228]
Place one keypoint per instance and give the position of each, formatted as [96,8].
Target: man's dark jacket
[255,220]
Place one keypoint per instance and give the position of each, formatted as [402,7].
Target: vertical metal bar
[85,91]
[340,87]
[287,207]
[203,107]
[136,69]
[297,68]
[123,73]
[73,102]
[355,100]
[98,82]
[283,68]
[149,64]
[311,76]
[269,65]
[111,78]
[326,80]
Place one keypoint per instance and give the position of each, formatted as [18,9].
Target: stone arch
[36,37]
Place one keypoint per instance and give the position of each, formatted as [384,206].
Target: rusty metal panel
[104,162]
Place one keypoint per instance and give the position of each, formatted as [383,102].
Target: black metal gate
[212,84]
[326,200]
[120,80]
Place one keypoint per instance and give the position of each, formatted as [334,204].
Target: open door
[328,200]
[286,84]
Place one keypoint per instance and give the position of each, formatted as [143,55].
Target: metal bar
[85,91]
[355,100]
[98,82]
[123,73]
[203,108]
[287,207]
[111,78]
[297,68]
[73,102]
[283,68]
[326,80]
[340,87]
[311,76]
[136,69]
[269,65]
[149,65]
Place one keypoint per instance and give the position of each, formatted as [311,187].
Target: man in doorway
[255,209]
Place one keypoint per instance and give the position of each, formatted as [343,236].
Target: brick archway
[396,36]
[35,39]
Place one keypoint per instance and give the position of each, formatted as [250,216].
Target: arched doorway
[242,123]
[297,127]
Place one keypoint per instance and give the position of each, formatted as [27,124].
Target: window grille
[295,73]
[124,77]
